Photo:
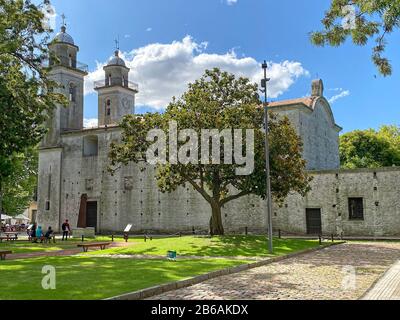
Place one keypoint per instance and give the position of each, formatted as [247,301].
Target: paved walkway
[343,272]
[388,287]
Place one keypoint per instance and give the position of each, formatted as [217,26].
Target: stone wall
[379,188]
[49,187]
[319,133]
[131,196]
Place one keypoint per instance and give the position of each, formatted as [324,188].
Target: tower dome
[116,60]
[64,37]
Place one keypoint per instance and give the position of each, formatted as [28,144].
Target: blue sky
[167,43]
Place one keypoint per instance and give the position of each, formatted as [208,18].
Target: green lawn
[85,278]
[28,247]
[227,246]
[246,246]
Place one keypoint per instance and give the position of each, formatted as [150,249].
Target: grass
[28,247]
[86,278]
[227,246]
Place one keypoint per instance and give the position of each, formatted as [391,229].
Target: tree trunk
[216,227]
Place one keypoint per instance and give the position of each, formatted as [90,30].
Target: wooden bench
[3,254]
[86,246]
[48,240]
[8,239]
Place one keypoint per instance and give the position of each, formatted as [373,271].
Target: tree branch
[198,188]
[234,197]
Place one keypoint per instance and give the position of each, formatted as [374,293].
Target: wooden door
[314,223]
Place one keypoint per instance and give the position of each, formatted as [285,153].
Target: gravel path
[343,272]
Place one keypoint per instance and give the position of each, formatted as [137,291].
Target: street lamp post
[264,83]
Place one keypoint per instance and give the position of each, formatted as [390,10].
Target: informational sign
[128,228]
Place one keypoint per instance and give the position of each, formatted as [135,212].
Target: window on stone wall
[72,92]
[47,206]
[108,109]
[90,146]
[356,208]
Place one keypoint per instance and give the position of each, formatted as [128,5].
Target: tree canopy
[220,101]
[27,94]
[371,148]
[19,187]
[370,19]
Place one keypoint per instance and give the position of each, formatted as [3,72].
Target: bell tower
[69,74]
[116,93]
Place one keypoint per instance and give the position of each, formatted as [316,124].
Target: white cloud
[149,29]
[164,70]
[90,123]
[231,2]
[342,94]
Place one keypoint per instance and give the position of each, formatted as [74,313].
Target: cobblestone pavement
[325,274]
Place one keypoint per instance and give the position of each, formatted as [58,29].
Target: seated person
[39,233]
[33,234]
[48,234]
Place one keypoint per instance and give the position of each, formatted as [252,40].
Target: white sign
[128,228]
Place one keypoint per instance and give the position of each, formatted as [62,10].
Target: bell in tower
[116,92]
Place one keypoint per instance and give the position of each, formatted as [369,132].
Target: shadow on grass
[85,278]
[224,246]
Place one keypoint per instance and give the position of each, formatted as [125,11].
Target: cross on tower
[117,44]
[63,20]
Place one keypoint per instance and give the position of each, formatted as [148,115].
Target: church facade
[74,183]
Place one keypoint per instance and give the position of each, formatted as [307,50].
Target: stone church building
[74,183]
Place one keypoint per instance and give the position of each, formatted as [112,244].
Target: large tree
[27,94]
[219,101]
[371,19]
[371,148]
[19,187]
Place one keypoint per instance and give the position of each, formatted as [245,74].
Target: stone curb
[383,275]
[156,290]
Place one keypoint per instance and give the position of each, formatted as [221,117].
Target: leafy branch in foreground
[370,19]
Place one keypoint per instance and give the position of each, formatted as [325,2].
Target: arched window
[72,92]
[108,108]
[90,146]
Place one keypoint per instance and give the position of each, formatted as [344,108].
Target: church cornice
[116,88]
[73,71]
[92,130]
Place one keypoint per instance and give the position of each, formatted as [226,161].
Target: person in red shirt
[66,229]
